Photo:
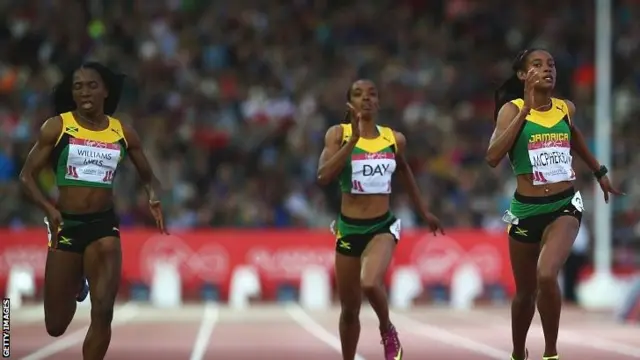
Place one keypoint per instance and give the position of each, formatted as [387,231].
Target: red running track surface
[200,332]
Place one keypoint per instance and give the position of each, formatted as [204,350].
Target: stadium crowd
[232,99]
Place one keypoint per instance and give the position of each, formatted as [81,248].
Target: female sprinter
[85,146]
[363,156]
[537,132]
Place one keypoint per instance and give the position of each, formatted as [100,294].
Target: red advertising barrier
[209,256]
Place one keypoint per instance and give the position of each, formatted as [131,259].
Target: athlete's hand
[530,83]
[355,121]
[607,188]
[54,219]
[156,211]
[434,223]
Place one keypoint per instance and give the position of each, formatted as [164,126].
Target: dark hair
[347,114]
[62,96]
[513,87]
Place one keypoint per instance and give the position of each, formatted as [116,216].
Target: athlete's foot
[84,290]
[525,357]
[391,342]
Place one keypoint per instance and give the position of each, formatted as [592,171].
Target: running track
[197,332]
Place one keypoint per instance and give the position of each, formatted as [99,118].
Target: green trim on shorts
[523,210]
[361,227]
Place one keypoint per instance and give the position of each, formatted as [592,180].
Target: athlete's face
[364,97]
[88,91]
[543,64]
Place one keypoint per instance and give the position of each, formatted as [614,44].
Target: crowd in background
[232,98]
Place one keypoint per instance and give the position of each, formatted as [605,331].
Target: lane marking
[122,315]
[314,328]
[209,321]
[451,339]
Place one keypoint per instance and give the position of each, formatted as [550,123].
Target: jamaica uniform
[368,171]
[543,149]
[86,158]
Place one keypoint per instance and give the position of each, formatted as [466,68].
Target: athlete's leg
[103,264]
[348,285]
[375,261]
[556,245]
[524,259]
[62,276]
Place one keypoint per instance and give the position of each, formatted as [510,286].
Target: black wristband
[602,171]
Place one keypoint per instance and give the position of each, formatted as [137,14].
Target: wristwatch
[602,171]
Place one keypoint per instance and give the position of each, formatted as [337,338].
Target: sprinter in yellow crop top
[363,156]
[85,147]
[536,132]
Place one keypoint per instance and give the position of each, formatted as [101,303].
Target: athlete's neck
[542,101]
[368,129]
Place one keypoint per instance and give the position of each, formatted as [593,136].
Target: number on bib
[577,202]
[49,235]
[332,227]
[395,229]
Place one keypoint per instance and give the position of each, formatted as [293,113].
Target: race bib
[332,227]
[577,202]
[509,218]
[395,229]
[49,234]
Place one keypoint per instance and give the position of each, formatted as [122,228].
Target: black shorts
[80,230]
[353,235]
[531,229]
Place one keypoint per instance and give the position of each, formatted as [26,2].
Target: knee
[350,314]
[370,285]
[547,278]
[527,296]
[55,330]
[102,312]
[56,324]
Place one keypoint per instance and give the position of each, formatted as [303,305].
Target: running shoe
[554,357]
[84,290]
[526,355]
[391,342]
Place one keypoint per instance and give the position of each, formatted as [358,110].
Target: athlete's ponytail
[347,114]
[513,87]
[62,96]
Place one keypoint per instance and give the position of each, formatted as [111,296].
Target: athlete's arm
[37,159]
[404,170]
[508,125]
[333,157]
[578,143]
[406,175]
[139,159]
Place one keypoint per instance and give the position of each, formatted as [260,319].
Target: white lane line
[314,328]
[122,316]
[209,321]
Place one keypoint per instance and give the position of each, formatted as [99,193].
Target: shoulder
[571,107]
[516,103]
[51,128]
[401,140]
[129,134]
[335,133]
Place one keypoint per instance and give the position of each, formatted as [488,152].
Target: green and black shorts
[78,231]
[528,216]
[353,235]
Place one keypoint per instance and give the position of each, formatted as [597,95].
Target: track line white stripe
[314,328]
[209,321]
[122,316]
[573,337]
[451,339]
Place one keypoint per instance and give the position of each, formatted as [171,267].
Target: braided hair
[513,87]
[62,96]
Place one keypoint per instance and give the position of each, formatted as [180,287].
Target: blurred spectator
[232,99]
